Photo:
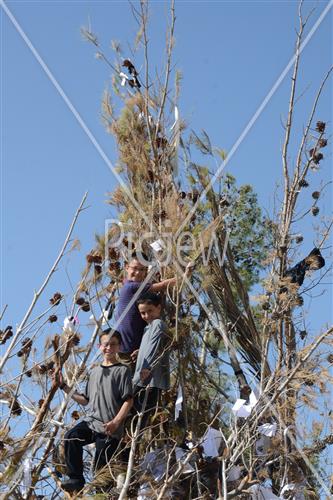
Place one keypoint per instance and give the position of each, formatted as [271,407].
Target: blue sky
[230,54]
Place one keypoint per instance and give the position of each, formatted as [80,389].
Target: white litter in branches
[268,429]
[243,409]
[157,245]
[211,442]
[179,402]
[124,79]
[70,324]
[27,466]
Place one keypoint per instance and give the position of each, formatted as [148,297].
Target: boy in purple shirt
[132,325]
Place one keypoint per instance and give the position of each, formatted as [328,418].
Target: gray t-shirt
[108,387]
[154,355]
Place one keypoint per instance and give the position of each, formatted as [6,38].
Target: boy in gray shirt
[109,395]
[152,366]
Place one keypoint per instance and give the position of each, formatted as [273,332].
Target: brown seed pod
[114,266]
[315,211]
[42,369]
[98,269]
[20,354]
[330,358]
[53,318]
[322,143]
[55,300]
[85,307]
[80,301]
[303,183]
[75,415]
[317,158]
[28,373]
[299,301]
[94,259]
[315,195]
[16,408]
[75,339]
[320,127]
[299,238]
[303,334]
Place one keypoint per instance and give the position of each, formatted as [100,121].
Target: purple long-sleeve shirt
[132,325]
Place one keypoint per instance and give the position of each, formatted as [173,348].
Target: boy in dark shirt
[132,325]
[109,394]
[152,366]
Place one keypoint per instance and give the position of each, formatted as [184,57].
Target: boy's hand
[111,427]
[144,374]
[134,355]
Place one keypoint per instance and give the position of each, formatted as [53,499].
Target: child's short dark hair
[150,298]
[112,333]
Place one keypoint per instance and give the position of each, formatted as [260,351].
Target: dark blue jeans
[79,436]
[151,404]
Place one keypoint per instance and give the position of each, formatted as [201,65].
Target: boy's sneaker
[73,484]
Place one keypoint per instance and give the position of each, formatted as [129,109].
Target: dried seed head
[315,211]
[16,409]
[113,253]
[303,183]
[53,318]
[322,143]
[94,258]
[98,269]
[320,127]
[299,301]
[330,358]
[85,307]
[20,354]
[28,373]
[56,299]
[42,369]
[303,334]
[114,266]
[317,158]
[299,238]
[75,415]
[75,339]
[80,301]
[315,195]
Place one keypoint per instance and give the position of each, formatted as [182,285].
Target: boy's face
[149,312]
[109,346]
[136,271]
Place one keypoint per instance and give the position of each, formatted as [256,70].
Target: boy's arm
[78,398]
[112,426]
[153,349]
[163,285]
